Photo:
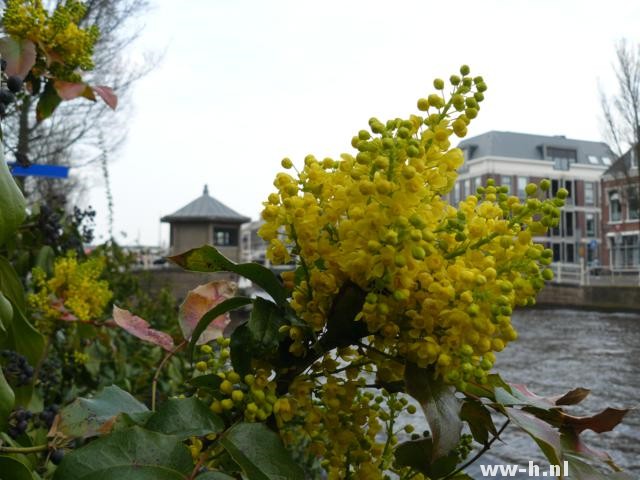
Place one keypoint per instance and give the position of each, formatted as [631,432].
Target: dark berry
[57,456]
[6,97]
[14,83]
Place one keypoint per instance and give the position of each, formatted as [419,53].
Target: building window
[590,224]
[615,208]
[562,157]
[522,185]
[568,224]
[633,203]
[467,187]
[225,237]
[570,250]
[474,185]
[589,193]
[505,180]
[456,193]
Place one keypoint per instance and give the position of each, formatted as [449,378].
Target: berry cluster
[16,368]
[9,87]
[47,416]
[19,422]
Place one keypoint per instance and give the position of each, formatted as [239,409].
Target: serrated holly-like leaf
[208,259]
[140,328]
[20,55]
[579,470]
[547,438]
[134,454]
[198,302]
[184,418]
[107,95]
[572,443]
[88,417]
[479,419]
[214,476]
[605,421]
[48,102]
[266,318]
[260,453]
[220,309]
[342,327]
[440,405]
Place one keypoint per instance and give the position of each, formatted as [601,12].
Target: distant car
[160,261]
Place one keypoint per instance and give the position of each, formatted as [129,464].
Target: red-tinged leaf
[547,438]
[440,405]
[19,54]
[198,302]
[139,327]
[605,421]
[579,470]
[573,397]
[71,90]
[571,442]
[107,94]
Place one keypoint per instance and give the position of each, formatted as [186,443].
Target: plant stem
[480,453]
[156,376]
[36,449]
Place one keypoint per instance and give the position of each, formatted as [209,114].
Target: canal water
[562,349]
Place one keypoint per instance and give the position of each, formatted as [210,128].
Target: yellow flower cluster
[75,288]
[67,46]
[441,281]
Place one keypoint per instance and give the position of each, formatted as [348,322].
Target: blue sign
[593,244]
[48,171]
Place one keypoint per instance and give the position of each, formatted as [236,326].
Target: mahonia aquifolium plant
[67,46]
[440,281]
[74,291]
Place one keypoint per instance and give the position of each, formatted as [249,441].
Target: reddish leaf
[107,94]
[571,442]
[139,327]
[547,438]
[198,302]
[70,90]
[605,421]
[573,397]
[65,314]
[19,54]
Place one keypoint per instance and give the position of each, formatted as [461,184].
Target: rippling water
[561,349]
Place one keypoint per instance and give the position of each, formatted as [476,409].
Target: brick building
[515,159]
[620,186]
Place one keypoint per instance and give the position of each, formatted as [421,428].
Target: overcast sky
[244,83]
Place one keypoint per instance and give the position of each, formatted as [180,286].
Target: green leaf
[45,258]
[418,454]
[214,476]
[6,314]
[266,318]
[342,328]
[7,401]
[13,211]
[223,307]
[260,453]
[13,469]
[127,454]
[440,405]
[241,349]
[479,419]
[88,417]
[184,418]
[579,470]
[48,102]
[25,338]
[547,438]
[10,284]
[209,382]
[209,259]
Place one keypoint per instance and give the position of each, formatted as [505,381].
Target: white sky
[245,83]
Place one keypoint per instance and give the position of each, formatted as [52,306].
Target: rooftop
[539,147]
[205,209]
